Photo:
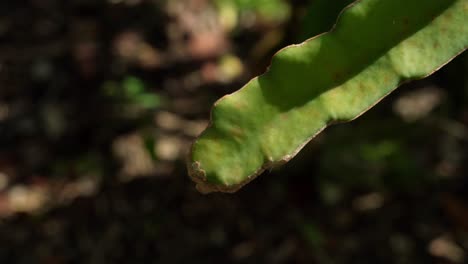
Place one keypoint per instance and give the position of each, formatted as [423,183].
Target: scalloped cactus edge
[374,47]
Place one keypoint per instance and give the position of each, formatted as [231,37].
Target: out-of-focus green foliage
[133,94]
[270,10]
[375,46]
[380,163]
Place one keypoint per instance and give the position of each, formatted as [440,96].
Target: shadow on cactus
[374,47]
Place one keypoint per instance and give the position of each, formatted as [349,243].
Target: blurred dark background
[100,100]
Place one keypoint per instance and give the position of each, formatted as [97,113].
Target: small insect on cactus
[374,47]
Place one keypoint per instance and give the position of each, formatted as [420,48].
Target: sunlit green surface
[375,46]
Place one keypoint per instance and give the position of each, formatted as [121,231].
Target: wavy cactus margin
[335,77]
